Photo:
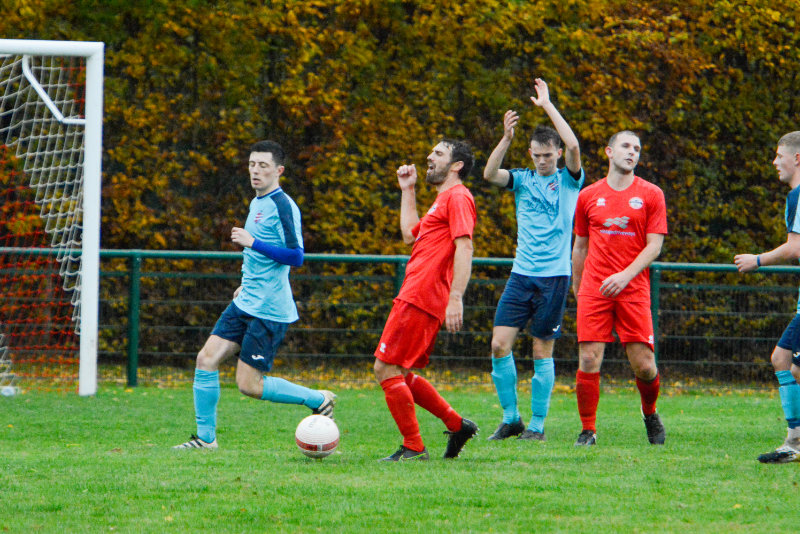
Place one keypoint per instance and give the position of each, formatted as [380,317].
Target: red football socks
[649,393]
[401,405]
[587,389]
[427,397]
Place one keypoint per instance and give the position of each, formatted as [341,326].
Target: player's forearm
[789,251]
[492,173]
[647,256]
[408,214]
[287,256]
[572,151]
[462,267]
[579,253]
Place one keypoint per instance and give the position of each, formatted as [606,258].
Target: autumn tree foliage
[354,88]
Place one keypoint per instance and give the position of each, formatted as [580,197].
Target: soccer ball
[317,436]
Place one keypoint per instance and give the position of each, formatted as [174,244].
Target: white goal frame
[93,141]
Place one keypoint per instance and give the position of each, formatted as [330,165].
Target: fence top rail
[355,258]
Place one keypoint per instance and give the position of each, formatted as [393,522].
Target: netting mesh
[41,188]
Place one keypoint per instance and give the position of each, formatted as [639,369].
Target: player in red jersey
[620,223]
[436,277]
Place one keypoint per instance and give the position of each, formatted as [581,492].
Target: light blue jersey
[266,293]
[545,210]
[792,219]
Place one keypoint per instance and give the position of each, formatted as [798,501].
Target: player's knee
[782,360]
[500,347]
[250,386]
[205,360]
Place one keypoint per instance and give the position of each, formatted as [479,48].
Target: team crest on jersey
[553,186]
[259,217]
[433,208]
[601,201]
[636,203]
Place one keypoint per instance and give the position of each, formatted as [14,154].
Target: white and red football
[317,436]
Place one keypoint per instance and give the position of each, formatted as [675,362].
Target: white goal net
[50,139]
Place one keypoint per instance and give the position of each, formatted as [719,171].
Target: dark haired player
[540,278]
[436,277]
[255,323]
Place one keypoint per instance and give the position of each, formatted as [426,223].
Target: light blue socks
[206,398]
[541,389]
[285,392]
[504,376]
[790,397]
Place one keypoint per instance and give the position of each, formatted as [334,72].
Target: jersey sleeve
[515,177]
[415,230]
[581,217]
[657,218]
[461,215]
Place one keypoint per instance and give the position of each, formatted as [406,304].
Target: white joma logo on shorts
[383,347]
[257,357]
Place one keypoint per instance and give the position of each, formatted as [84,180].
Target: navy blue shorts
[790,339]
[259,338]
[541,299]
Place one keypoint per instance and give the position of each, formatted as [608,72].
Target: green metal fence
[157,308]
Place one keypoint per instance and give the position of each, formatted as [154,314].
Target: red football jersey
[617,224]
[429,272]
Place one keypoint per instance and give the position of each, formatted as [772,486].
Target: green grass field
[104,464]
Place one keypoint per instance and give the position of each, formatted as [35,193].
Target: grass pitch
[104,464]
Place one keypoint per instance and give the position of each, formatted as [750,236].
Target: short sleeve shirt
[266,293]
[793,218]
[545,207]
[429,272]
[617,224]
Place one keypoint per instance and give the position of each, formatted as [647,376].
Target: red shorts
[408,337]
[631,320]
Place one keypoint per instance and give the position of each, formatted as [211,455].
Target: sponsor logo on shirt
[433,208]
[621,222]
[636,203]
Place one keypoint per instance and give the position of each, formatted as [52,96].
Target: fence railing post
[399,275]
[655,295]
[134,299]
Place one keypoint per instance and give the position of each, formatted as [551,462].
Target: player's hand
[406,176]
[241,237]
[238,290]
[510,120]
[542,93]
[614,284]
[454,315]
[746,262]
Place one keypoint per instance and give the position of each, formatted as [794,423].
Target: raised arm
[572,150]
[492,173]
[407,178]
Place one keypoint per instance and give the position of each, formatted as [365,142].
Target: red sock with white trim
[587,389]
[427,397]
[401,405]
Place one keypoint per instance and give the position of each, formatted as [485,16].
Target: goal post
[77,218]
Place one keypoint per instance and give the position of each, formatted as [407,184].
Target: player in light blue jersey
[786,355]
[540,278]
[255,323]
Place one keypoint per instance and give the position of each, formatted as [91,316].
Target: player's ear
[456,166]
[280,170]
[608,151]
